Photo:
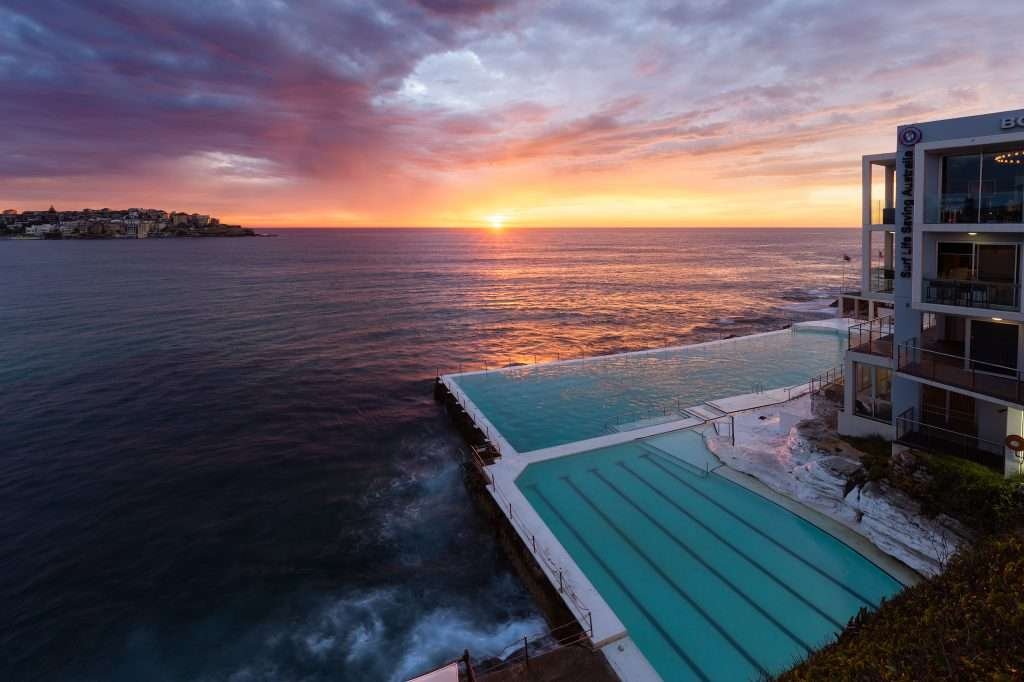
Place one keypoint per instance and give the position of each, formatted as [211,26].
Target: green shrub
[965,624]
[981,499]
[978,497]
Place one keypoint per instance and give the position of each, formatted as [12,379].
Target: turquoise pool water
[712,581]
[540,406]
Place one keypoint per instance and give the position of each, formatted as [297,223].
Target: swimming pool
[540,406]
[712,581]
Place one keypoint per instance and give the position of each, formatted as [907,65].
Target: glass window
[1002,187]
[997,262]
[883,383]
[960,186]
[874,391]
[994,347]
[955,260]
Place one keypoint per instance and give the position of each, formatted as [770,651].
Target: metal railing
[988,378]
[873,336]
[547,564]
[732,428]
[913,433]
[481,428]
[673,408]
[831,377]
[667,408]
[565,635]
[971,293]
[882,280]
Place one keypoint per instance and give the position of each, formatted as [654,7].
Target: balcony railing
[938,439]
[882,280]
[881,215]
[962,208]
[972,293]
[985,378]
[873,337]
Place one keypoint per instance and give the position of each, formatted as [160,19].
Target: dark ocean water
[220,459]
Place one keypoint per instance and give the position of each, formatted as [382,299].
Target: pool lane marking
[760,532]
[668,579]
[711,569]
[734,548]
[625,590]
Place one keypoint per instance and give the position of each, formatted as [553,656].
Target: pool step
[706,412]
[647,421]
[684,464]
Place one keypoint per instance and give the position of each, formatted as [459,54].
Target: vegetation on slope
[965,624]
[981,499]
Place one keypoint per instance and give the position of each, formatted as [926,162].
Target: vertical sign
[908,138]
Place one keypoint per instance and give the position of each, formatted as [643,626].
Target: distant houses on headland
[105,223]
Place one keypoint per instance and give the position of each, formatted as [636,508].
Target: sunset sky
[458,113]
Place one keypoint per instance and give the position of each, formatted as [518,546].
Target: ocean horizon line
[549,227]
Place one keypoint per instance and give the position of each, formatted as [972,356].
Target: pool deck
[578,593]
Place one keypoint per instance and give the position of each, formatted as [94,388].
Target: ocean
[220,459]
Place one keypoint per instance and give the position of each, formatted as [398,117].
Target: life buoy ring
[1015,443]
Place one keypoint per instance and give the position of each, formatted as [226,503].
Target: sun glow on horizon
[496,221]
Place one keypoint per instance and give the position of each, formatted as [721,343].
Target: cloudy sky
[451,112]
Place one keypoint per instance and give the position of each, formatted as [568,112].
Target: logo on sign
[1012,122]
[910,136]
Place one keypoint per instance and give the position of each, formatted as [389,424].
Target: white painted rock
[893,521]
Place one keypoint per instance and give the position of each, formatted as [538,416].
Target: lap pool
[712,581]
[541,406]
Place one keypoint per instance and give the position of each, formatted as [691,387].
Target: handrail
[875,330]
[963,292]
[959,370]
[649,411]
[951,432]
[824,380]
[961,357]
[665,407]
[910,432]
[543,559]
[523,654]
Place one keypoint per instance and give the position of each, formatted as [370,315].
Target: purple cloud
[342,97]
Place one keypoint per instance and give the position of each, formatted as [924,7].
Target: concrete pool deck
[578,593]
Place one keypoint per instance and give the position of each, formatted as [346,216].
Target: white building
[40,230]
[938,361]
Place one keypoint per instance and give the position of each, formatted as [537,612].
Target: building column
[865,265]
[890,186]
[906,393]
[1014,427]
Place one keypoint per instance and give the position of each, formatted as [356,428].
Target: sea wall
[544,593]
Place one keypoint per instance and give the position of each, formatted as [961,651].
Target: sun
[496,221]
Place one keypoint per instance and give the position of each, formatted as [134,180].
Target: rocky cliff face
[771,449]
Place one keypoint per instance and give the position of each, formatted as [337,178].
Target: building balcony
[953,369]
[873,337]
[915,434]
[971,294]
